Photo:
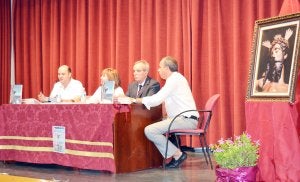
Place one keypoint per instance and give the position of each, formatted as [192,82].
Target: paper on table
[124,100]
[30,101]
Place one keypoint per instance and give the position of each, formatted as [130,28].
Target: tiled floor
[193,169]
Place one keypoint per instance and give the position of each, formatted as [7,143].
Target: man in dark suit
[143,84]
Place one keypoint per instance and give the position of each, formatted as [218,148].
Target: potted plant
[236,159]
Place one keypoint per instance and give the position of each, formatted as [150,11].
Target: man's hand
[42,97]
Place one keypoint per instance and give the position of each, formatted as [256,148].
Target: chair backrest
[209,106]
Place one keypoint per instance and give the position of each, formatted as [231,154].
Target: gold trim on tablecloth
[50,149]
[50,139]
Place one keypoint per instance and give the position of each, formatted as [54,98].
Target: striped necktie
[139,89]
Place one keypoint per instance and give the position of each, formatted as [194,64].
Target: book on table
[16,94]
[107,92]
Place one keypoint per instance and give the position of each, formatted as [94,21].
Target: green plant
[240,152]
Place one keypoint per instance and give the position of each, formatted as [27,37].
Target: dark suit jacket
[150,87]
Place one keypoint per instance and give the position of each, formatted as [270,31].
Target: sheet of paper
[59,139]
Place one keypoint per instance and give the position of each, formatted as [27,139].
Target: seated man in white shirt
[66,89]
[177,96]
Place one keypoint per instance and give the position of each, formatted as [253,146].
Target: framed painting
[274,59]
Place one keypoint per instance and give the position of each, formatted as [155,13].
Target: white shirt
[96,97]
[176,94]
[73,89]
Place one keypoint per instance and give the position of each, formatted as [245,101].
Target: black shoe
[176,163]
[170,163]
[186,148]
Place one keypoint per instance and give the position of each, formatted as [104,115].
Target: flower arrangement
[240,152]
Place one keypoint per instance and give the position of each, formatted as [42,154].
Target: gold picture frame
[274,59]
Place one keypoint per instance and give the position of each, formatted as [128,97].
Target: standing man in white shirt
[66,89]
[177,96]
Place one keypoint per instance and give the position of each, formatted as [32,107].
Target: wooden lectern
[132,150]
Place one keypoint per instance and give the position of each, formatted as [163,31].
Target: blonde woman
[108,74]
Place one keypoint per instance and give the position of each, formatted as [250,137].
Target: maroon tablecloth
[275,125]
[26,134]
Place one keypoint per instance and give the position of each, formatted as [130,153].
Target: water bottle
[58,98]
[83,96]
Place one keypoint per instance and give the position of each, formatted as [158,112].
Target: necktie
[139,89]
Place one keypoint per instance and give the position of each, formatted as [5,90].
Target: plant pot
[244,174]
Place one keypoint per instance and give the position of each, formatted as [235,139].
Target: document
[124,100]
[30,101]
[59,139]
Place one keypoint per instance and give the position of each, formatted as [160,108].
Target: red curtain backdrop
[5,50]
[210,39]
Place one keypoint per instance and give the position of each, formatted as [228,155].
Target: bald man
[66,89]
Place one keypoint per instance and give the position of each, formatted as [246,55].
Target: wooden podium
[132,150]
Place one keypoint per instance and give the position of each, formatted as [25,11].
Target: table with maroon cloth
[26,134]
[93,135]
